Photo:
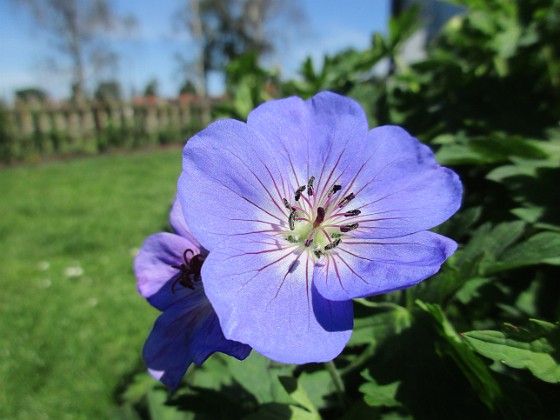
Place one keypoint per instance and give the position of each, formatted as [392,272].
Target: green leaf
[276,411]
[259,376]
[536,348]
[471,289]
[403,26]
[297,392]
[377,327]
[474,369]
[459,154]
[542,248]
[502,236]
[157,398]
[379,395]
[494,148]
[139,388]
[213,374]
[486,246]
[318,385]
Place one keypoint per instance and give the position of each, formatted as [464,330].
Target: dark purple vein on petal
[337,273]
[260,208]
[280,196]
[350,268]
[256,176]
[294,262]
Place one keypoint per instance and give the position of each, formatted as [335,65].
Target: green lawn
[73,324]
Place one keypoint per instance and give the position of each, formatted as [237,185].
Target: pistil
[320,217]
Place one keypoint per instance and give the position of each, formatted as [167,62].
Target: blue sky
[150,51]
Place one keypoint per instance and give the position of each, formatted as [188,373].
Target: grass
[73,324]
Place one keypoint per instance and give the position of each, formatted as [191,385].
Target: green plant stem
[380,305]
[337,381]
[360,360]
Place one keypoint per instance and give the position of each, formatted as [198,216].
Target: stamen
[310,186]
[318,253]
[320,217]
[286,204]
[299,191]
[346,200]
[348,228]
[292,220]
[352,213]
[333,245]
[334,189]
[308,242]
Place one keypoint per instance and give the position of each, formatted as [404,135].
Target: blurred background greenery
[480,339]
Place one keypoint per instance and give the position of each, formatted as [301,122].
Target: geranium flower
[168,272]
[303,209]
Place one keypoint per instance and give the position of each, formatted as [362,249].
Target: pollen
[315,221]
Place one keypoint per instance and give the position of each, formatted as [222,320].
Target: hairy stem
[337,381]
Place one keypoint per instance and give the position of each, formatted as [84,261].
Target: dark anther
[310,186]
[320,217]
[346,200]
[333,244]
[352,213]
[286,204]
[292,220]
[308,242]
[348,228]
[190,270]
[318,253]
[299,191]
[334,189]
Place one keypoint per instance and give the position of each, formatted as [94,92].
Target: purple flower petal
[401,189]
[231,171]
[187,332]
[364,267]
[263,295]
[177,222]
[314,135]
[153,264]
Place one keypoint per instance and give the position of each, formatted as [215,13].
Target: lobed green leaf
[536,348]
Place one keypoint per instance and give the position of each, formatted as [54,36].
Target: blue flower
[303,209]
[168,272]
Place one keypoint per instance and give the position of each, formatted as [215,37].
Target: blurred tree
[7,139]
[187,87]
[151,88]
[75,27]
[31,94]
[225,30]
[108,91]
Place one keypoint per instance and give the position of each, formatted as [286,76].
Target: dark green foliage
[108,91]
[6,137]
[31,94]
[248,85]
[151,88]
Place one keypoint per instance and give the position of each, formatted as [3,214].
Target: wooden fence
[33,131]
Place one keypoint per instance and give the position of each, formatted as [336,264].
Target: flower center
[318,220]
[189,270]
